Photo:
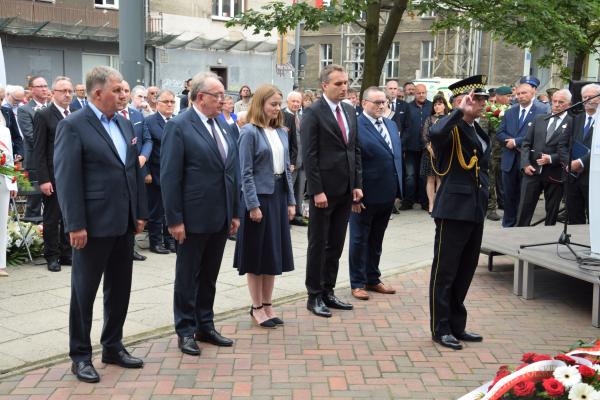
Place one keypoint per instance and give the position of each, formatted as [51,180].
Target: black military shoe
[316,305]
[85,371]
[333,302]
[469,337]
[448,341]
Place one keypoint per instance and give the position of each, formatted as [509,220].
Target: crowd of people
[203,167]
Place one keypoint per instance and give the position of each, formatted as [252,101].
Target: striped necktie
[386,139]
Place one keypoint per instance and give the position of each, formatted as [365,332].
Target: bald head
[420,93]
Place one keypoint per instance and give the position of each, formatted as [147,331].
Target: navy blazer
[510,129]
[381,168]
[11,124]
[579,122]
[198,189]
[256,165]
[75,104]
[155,125]
[96,191]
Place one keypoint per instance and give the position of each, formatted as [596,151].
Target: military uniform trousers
[456,254]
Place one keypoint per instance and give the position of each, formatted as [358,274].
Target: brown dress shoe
[360,293]
[381,288]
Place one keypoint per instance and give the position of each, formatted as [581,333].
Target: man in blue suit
[80,99]
[199,175]
[381,153]
[161,242]
[143,141]
[512,130]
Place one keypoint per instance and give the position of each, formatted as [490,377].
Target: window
[357,55]
[428,14]
[392,64]
[89,61]
[106,3]
[426,59]
[326,55]
[227,8]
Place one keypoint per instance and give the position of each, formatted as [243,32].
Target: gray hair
[99,76]
[565,93]
[590,86]
[137,89]
[328,70]
[12,89]
[371,89]
[162,91]
[58,79]
[199,83]
[292,94]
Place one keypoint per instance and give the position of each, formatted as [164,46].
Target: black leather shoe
[318,307]
[85,371]
[65,261]
[53,266]
[188,345]
[299,222]
[333,302]
[172,248]
[158,249]
[138,257]
[213,337]
[448,341]
[122,359]
[469,337]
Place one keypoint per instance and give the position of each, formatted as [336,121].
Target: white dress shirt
[220,132]
[276,150]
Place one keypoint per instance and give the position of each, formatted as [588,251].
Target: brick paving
[381,350]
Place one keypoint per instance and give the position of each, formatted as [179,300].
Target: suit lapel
[198,125]
[230,145]
[57,114]
[375,133]
[160,120]
[131,150]
[95,122]
[328,115]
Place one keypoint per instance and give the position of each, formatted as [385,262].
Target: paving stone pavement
[380,350]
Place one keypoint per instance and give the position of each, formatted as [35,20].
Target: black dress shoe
[85,371]
[469,337]
[172,248]
[318,307]
[53,266]
[188,345]
[299,222]
[138,257]
[122,359]
[158,249]
[65,261]
[213,337]
[333,302]
[448,341]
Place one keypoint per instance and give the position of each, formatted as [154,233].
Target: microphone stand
[565,237]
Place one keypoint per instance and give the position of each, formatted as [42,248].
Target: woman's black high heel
[275,320]
[265,324]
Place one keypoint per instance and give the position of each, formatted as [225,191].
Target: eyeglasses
[218,96]
[377,102]
[167,101]
[63,91]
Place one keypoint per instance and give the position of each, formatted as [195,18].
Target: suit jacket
[75,104]
[463,194]
[579,122]
[400,114]
[15,135]
[381,168]
[44,131]
[256,164]
[155,125]
[96,191]
[25,115]
[332,166]
[198,189]
[289,121]
[534,143]
[510,129]
[143,140]
[413,125]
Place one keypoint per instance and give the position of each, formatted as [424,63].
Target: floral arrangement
[494,113]
[16,252]
[571,376]
[14,172]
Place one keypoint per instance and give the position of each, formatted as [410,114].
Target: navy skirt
[265,248]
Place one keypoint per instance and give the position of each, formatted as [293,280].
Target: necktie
[385,137]
[297,121]
[522,118]
[124,112]
[588,127]
[211,122]
[551,128]
[393,104]
[340,121]
[66,112]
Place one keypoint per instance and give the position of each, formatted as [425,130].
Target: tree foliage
[557,26]
[283,18]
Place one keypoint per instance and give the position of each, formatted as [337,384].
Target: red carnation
[502,372]
[565,358]
[14,179]
[497,112]
[3,159]
[553,387]
[586,371]
[488,109]
[524,389]
[528,357]
[541,357]
[26,174]
[17,167]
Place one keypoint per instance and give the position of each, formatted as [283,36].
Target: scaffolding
[457,52]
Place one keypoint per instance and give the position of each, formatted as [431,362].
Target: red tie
[66,113]
[340,121]
[124,112]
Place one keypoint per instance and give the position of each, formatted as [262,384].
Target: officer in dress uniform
[462,152]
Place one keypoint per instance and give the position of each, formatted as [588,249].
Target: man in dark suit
[57,250]
[199,175]
[101,194]
[331,157]
[25,114]
[544,152]
[510,134]
[381,157]
[292,121]
[459,210]
[143,142]
[161,241]
[397,105]
[11,124]
[80,99]
[578,187]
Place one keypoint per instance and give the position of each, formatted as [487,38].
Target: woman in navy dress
[263,248]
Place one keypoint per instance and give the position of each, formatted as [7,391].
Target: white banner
[2,70]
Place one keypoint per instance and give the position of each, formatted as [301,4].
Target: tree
[285,17]
[556,26]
